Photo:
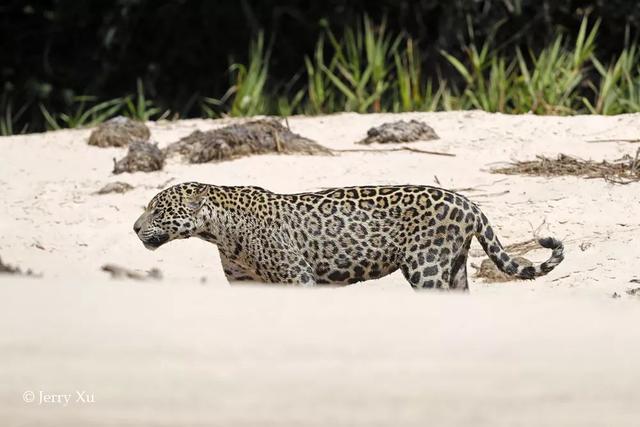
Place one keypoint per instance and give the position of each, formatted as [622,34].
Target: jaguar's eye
[157,211]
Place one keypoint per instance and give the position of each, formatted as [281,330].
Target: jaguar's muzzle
[154,242]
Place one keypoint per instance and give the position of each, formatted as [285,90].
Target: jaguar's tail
[506,264]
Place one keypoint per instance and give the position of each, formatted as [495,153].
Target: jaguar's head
[174,213]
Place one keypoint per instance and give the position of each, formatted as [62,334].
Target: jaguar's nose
[137,226]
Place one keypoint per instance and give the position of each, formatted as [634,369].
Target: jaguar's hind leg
[459,269]
[423,272]
[459,276]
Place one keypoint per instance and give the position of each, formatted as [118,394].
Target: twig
[562,277]
[613,181]
[379,150]
[278,144]
[477,188]
[635,164]
[460,190]
[164,184]
[631,141]
[502,193]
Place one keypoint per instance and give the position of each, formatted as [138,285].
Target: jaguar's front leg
[291,267]
[236,272]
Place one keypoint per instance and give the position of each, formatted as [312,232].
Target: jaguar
[336,236]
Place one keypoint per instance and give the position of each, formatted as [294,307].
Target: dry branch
[385,150]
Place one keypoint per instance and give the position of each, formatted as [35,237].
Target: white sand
[555,351]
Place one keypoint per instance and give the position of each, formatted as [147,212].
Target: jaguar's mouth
[155,242]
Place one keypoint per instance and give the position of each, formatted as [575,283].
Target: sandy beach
[190,349]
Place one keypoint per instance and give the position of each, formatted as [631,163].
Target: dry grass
[621,171]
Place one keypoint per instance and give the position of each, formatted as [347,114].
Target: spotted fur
[338,236]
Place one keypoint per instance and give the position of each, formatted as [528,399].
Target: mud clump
[141,157]
[267,136]
[119,132]
[10,269]
[118,272]
[115,187]
[635,292]
[400,131]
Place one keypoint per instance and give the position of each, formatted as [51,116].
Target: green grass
[88,111]
[138,107]
[412,92]
[320,95]
[548,82]
[360,71]
[246,95]
[81,115]
[618,90]
[366,68]
[8,117]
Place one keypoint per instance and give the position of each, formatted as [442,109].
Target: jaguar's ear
[196,201]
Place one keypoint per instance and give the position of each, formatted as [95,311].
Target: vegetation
[370,67]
